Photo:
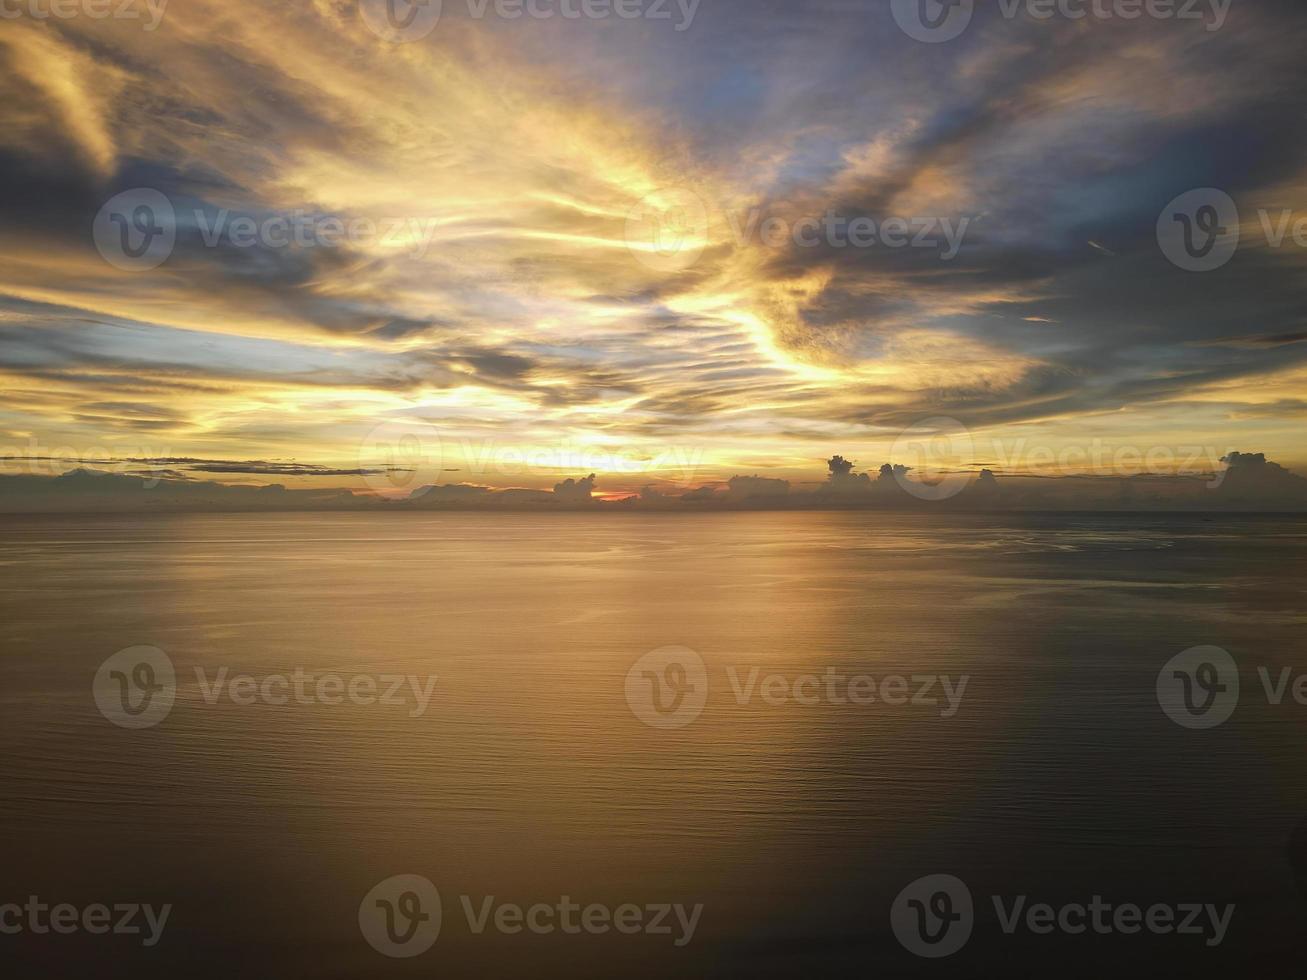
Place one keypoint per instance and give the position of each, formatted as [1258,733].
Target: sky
[684,243]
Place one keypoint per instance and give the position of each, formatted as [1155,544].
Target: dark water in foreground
[529,775]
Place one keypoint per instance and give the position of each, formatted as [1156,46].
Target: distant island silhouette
[1249,482]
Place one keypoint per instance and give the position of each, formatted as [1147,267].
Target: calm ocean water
[793,817]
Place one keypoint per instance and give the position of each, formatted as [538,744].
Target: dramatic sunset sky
[520,310]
